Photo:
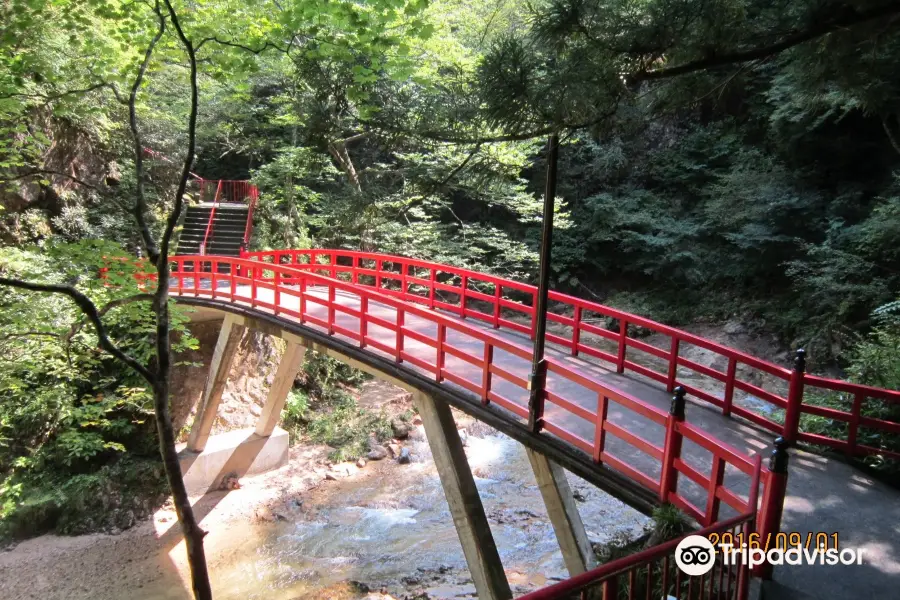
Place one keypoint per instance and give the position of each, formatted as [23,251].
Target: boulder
[404,458]
[377,452]
[399,428]
[734,328]
[264,514]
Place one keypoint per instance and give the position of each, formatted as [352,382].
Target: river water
[389,527]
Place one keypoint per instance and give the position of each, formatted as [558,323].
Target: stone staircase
[225,236]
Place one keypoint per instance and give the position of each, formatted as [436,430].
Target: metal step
[233,227]
[224,236]
[216,219]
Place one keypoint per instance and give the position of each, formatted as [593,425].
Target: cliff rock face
[71,168]
[250,375]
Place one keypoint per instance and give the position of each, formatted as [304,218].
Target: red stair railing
[212,216]
[253,197]
[232,191]
[229,192]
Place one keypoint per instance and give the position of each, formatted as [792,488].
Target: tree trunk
[339,152]
[193,535]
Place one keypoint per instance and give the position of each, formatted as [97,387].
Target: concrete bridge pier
[219,366]
[207,460]
[288,368]
[570,533]
[471,523]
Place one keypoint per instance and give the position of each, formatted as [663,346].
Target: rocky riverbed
[379,529]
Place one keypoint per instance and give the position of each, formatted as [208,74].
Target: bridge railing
[227,191]
[652,573]
[488,365]
[509,305]
[224,191]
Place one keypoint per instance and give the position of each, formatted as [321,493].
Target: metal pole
[538,365]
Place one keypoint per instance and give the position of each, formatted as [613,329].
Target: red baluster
[441,335]
[486,371]
[498,292]
[398,343]
[668,481]
[599,431]
[623,337]
[729,386]
[462,296]
[854,423]
[673,364]
[794,399]
[576,330]
[773,500]
[363,320]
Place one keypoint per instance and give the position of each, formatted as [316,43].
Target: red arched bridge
[606,411]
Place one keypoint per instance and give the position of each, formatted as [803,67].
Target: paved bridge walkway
[609,425]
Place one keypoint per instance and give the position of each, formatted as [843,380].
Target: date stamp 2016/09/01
[782,540]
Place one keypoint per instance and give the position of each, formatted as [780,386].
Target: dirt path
[100,566]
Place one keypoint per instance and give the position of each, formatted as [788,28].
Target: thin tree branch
[260,50]
[442,183]
[356,137]
[76,327]
[36,172]
[24,334]
[58,96]
[452,138]
[90,311]
[460,166]
[163,267]
[846,18]
[140,204]
[890,134]
[193,533]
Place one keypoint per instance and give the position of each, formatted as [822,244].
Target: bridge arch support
[456,477]
[407,378]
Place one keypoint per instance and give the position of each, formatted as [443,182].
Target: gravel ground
[102,567]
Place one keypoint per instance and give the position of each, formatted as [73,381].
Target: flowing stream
[392,529]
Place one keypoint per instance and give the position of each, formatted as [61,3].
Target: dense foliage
[322,408]
[72,421]
[726,160]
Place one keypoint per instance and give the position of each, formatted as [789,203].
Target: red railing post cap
[778,461]
[678,402]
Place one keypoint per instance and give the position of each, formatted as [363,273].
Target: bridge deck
[823,494]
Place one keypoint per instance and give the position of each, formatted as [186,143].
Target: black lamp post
[538,365]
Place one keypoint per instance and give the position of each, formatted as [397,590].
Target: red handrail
[253,194]
[212,215]
[411,286]
[285,291]
[605,578]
